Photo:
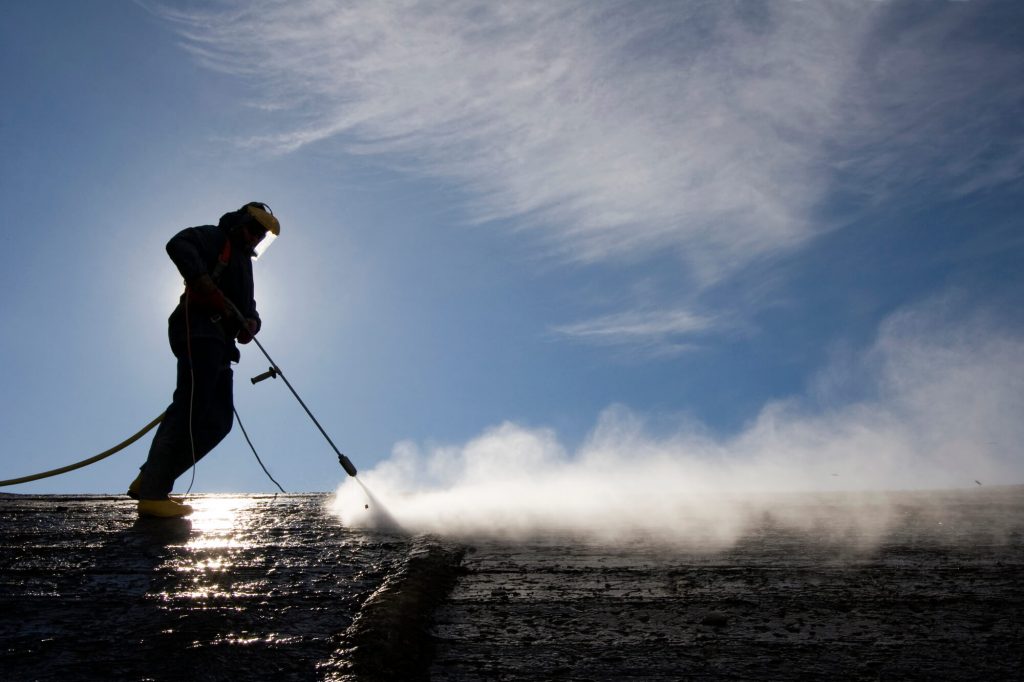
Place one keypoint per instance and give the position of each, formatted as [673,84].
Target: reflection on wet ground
[256,587]
[248,588]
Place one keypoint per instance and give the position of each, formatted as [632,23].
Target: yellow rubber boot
[163,509]
[133,491]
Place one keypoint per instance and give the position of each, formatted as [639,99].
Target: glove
[248,330]
[205,293]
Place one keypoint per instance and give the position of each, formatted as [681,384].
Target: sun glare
[215,518]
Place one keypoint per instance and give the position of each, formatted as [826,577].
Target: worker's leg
[200,377]
[214,423]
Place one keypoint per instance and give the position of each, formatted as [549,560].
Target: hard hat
[262,214]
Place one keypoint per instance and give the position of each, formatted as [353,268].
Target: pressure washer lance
[275,372]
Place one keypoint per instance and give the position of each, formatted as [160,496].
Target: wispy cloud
[932,108]
[662,332]
[613,131]
[944,410]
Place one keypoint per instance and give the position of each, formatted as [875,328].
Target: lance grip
[269,374]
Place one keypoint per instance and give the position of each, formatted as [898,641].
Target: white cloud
[931,108]
[614,129]
[661,331]
[944,410]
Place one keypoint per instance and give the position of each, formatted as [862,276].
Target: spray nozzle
[347,465]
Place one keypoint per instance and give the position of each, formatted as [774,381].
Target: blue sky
[782,236]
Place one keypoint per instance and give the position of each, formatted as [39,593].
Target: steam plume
[943,410]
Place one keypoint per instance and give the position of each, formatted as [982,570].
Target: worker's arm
[193,250]
[249,329]
[252,324]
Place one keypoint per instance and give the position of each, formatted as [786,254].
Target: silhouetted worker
[216,262]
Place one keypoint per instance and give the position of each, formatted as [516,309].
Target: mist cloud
[942,409]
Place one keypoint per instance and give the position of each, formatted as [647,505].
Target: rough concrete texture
[390,639]
[936,594]
[257,587]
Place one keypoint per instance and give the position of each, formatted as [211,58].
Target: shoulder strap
[222,260]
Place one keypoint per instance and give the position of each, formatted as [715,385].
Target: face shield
[262,215]
[264,244]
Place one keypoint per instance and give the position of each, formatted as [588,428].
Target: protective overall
[202,337]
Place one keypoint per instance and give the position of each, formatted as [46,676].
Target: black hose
[239,419]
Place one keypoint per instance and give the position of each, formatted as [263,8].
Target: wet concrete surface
[248,588]
[934,593]
[259,587]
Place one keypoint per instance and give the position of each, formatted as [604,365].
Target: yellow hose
[86,462]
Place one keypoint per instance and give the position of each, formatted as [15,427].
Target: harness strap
[222,260]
